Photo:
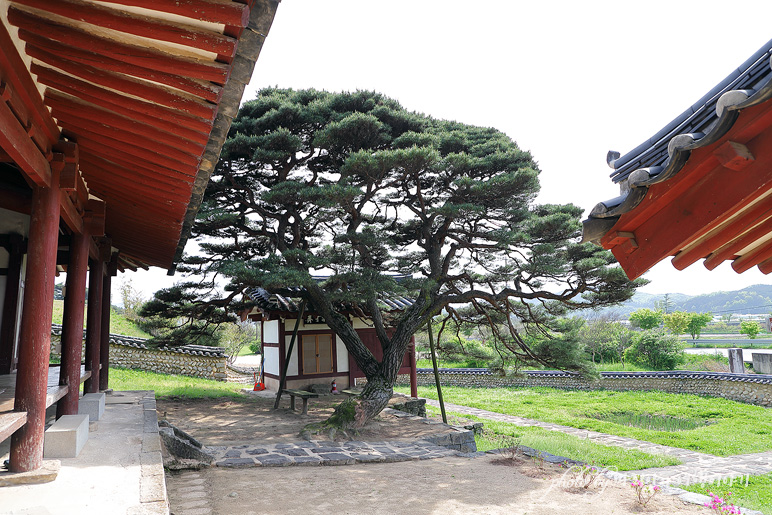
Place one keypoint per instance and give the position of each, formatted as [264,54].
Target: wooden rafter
[204,90]
[226,13]
[138,25]
[192,128]
[136,87]
[148,58]
[68,108]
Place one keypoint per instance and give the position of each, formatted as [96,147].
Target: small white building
[318,355]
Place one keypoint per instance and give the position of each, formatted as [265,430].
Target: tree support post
[93,324]
[283,379]
[413,373]
[72,324]
[35,342]
[436,372]
[104,351]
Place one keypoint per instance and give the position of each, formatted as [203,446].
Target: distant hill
[755,299]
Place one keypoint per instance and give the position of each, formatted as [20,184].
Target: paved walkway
[697,467]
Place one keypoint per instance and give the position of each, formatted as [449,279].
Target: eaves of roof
[665,154]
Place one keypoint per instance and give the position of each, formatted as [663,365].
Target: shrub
[655,349]
[750,328]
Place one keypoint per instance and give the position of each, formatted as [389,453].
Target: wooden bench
[303,395]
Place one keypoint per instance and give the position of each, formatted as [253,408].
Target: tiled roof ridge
[139,343]
[663,155]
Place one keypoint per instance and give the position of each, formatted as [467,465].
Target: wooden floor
[10,420]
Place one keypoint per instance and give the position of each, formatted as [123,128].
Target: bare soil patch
[225,421]
[447,485]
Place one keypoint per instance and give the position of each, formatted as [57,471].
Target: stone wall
[749,388]
[187,360]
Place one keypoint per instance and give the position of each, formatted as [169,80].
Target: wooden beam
[193,128]
[226,13]
[96,148]
[205,90]
[69,213]
[15,141]
[726,233]
[94,163]
[14,70]
[154,153]
[139,88]
[753,258]
[149,58]
[70,109]
[138,25]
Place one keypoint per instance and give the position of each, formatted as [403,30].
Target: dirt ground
[452,485]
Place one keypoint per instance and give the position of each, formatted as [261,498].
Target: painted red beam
[154,93]
[139,152]
[140,56]
[190,127]
[116,155]
[140,196]
[35,334]
[77,112]
[14,71]
[205,90]
[144,26]
[226,13]
[753,216]
[753,258]
[15,141]
[21,112]
[92,164]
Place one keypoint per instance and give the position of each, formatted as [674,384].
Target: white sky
[566,80]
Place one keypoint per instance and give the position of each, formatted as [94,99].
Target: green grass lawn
[502,434]
[118,323]
[756,495]
[734,428]
[172,385]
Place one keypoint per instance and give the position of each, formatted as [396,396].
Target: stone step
[66,437]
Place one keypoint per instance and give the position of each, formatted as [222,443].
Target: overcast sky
[566,80]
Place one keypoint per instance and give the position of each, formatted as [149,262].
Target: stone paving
[697,467]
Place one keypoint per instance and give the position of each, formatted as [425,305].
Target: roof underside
[701,187]
[147,89]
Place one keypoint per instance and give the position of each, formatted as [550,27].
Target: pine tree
[354,186]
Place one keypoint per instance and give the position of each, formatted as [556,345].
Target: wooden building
[701,188]
[112,117]
[318,355]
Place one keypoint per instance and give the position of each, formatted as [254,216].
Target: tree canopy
[354,187]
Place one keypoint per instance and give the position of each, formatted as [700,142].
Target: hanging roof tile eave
[665,154]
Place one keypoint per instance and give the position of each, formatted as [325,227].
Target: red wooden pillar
[35,333]
[11,304]
[413,373]
[104,351]
[72,324]
[93,324]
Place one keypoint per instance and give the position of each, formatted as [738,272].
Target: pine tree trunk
[374,398]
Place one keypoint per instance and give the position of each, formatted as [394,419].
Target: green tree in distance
[646,318]
[354,187]
[750,328]
[677,322]
[698,322]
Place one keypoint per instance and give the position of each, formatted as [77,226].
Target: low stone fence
[748,388]
[188,360]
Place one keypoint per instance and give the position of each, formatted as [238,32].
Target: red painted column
[413,373]
[93,324]
[72,324]
[35,333]
[104,351]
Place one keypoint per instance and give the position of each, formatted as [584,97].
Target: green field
[733,427]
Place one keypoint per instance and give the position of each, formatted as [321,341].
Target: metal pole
[283,379]
[436,372]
